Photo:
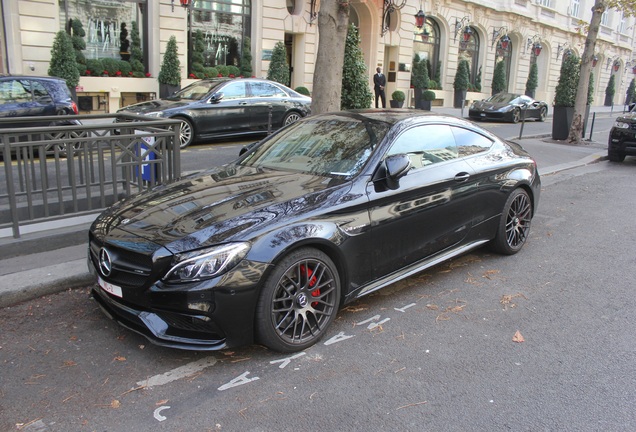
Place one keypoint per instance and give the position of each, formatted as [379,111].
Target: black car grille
[129,269]
[206,328]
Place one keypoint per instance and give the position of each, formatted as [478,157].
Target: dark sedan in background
[324,211]
[509,107]
[225,107]
[622,137]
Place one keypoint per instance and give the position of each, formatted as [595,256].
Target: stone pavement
[51,261]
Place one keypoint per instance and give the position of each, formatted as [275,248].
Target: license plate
[483,114]
[110,288]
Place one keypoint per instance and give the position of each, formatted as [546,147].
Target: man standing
[379,81]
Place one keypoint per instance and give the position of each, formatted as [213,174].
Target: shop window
[469,50]
[426,44]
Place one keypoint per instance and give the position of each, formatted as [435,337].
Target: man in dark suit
[379,82]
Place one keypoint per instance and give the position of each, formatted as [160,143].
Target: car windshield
[197,90]
[502,98]
[329,146]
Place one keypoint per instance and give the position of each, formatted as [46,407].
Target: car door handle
[462,177]
[242,103]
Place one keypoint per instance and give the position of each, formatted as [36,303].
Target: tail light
[74,107]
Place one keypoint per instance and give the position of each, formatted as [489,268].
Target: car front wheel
[543,113]
[298,302]
[514,225]
[516,115]
[614,155]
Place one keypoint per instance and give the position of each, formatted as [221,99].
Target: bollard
[523,121]
[592,126]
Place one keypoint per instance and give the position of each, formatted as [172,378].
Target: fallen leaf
[115,404]
[69,363]
[120,358]
[432,307]
[162,402]
[518,337]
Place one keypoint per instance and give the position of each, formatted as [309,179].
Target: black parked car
[622,138]
[225,107]
[508,107]
[322,212]
[29,96]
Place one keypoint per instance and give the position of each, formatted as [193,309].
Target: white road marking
[338,338]
[157,414]
[239,380]
[178,373]
[284,362]
[404,308]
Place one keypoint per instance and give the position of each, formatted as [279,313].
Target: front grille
[182,325]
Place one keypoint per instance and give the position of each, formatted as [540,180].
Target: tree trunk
[333,20]
[576,128]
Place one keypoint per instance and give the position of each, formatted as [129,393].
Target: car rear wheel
[291,117]
[514,225]
[186,135]
[516,115]
[543,113]
[298,302]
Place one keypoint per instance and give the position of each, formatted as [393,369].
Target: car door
[265,98]
[225,113]
[430,210]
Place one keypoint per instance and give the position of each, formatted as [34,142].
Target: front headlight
[206,263]
[155,114]
[621,125]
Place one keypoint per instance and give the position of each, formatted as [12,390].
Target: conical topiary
[631,92]
[278,67]
[63,60]
[355,82]
[246,58]
[170,72]
[461,76]
[565,93]
[419,73]
[499,80]
[533,80]
[136,54]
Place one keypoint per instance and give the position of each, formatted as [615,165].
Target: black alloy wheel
[514,225]
[298,302]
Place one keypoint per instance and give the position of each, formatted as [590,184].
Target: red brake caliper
[308,272]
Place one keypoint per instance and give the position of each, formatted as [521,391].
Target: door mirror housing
[390,171]
[216,97]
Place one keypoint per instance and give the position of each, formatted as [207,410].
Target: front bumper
[488,115]
[205,316]
[623,141]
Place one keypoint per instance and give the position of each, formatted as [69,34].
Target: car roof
[394,116]
[41,78]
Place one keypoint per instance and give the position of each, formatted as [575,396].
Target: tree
[630,95]
[566,89]
[533,80]
[246,58]
[79,44]
[419,73]
[478,81]
[499,80]
[461,76]
[63,61]
[333,20]
[136,54]
[197,58]
[610,91]
[355,79]
[170,72]
[124,43]
[278,67]
[628,8]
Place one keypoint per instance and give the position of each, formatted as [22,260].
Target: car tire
[615,156]
[514,224]
[291,117]
[298,302]
[516,115]
[543,113]
[186,135]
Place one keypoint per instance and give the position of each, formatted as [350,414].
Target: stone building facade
[484,32]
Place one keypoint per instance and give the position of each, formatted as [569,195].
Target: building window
[622,27]
[575,8]
[426,44]
[102,22]
[469,50]
[605,18]
[223,24]
[546,3]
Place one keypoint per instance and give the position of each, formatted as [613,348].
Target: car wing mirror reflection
[390,171]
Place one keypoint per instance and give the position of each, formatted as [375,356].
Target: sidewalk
[51,261]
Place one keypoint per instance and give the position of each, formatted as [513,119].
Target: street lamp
[534,44]
[462,25]
[420,17]
[594,60]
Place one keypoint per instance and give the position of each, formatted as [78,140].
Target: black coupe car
[510,107]
[324,211]
[622,137]
[225,107]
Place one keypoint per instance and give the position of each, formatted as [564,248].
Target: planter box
[396,104]
[459,98]
[561,122]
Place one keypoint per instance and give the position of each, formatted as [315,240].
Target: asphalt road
[441,351]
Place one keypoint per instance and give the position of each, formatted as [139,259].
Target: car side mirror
[391,170]
[216,97]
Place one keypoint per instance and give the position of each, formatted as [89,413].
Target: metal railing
[79,165]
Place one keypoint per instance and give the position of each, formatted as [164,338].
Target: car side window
[234,90]
[263,89]
[469,142]
[13,91]
[39,92]
[426,145]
